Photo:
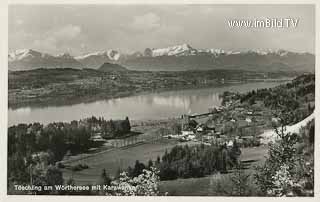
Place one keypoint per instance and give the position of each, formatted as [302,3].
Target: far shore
[66,101]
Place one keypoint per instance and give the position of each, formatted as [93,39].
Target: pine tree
[240,181]
[105,178]
[150,164]
[235,153]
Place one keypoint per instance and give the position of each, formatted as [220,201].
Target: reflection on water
[141,107]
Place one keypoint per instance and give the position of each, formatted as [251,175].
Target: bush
[79,167]
[287,171]
[60,165]
[146,184]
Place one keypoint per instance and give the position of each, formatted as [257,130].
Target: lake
[140,107]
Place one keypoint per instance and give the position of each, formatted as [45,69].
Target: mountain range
[27,59]
[174,58]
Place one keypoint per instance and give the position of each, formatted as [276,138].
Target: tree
[138,168]
[127,125]
[108,129]
[119,171]
[158,161]
[192,123]
[70,181]
[277,176]
[224,159]
[235,153]
[240,181]
[145,184]
[150,164]
[148,52]
[54,176]
[105,178]
[175,128]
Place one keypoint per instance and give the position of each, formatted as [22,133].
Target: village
[226,124]
[223,125]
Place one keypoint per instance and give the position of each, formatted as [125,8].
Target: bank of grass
[121,158]
[216,184]
[213,185]
[118,158]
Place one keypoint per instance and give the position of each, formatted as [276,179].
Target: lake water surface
[141,107]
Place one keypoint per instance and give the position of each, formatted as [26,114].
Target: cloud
[19,21]
[147,22]
[83,46]
[48,44]
[149,29]
[53,40]
[56,28]
[68,31]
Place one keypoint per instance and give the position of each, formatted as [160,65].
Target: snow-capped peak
[97,53]
[21,54]
[64,55]
[178,50]
[282,52]
[111,54]
[213,51]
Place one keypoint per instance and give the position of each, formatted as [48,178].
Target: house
[187,132]
[248,120]
[97,138]
[275,120]
[191,137]
[200,128]
[218,134]
[208,137]
[230,143]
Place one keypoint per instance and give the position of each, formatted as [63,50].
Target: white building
[187,132]
[248,120]
[230,143]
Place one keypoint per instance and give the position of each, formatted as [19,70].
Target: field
[118,158]
[206,186]
[121,158]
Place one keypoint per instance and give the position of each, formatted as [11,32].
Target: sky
[79,29]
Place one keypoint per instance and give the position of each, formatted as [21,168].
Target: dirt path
[270,135]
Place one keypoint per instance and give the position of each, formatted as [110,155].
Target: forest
[191,161]
[296,97]
[30,144]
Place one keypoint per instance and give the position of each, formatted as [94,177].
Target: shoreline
[137,120]
[69,101]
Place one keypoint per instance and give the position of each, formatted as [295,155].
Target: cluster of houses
[234,123]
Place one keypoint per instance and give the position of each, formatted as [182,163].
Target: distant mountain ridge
[96,59]
[109,67]
[174,58]
[27,59]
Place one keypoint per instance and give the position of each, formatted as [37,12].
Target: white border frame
[4,102]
